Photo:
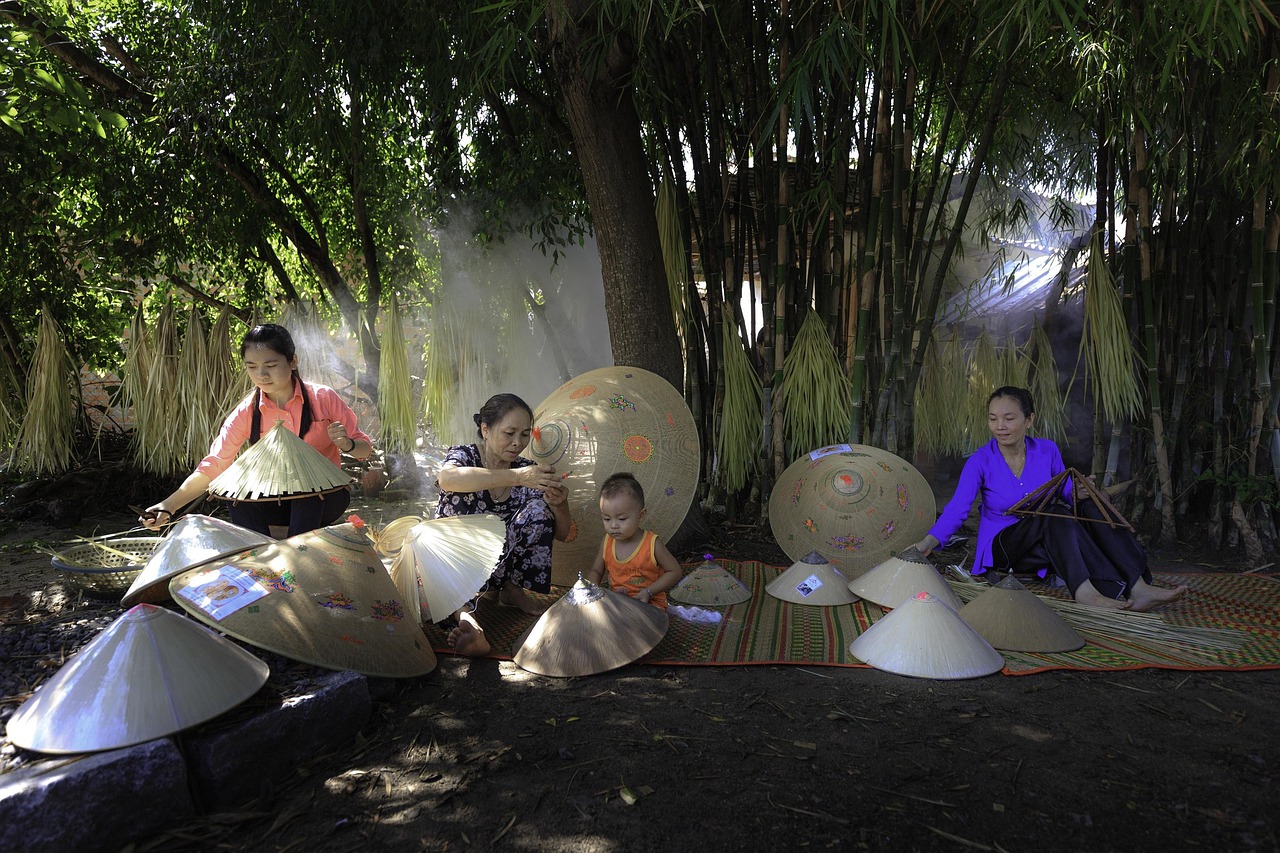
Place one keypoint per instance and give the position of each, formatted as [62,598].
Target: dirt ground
[482,755]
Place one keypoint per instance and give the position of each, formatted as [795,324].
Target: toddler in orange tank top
[637,562]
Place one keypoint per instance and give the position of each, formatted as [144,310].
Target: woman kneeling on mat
[1103,566]
[314,412]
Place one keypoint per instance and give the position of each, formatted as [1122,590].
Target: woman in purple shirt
[1101,565]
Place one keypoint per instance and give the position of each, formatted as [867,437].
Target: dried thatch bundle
[45,442]
[11,400]
[985,371]
[158,447]
[1051,407]
[818,396]
[395,389]
[1107,344]
[739,441]
[671,236]
[228,384]
[439,374]
[192,393]
[943,390]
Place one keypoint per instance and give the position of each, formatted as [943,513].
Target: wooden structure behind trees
[293,152]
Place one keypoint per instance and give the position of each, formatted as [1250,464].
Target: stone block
[99,801]
[232,766]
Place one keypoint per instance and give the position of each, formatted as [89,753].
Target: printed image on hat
[925,638]
[814,581]
[709,585]
[445,561]
[590,629]
[901,577]
[321,597]
[606,421]
[190,541]
[1010,616]
[852,503]
[149,674]
[280,466]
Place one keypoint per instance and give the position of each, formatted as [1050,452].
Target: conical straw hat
[279,466]
[609,420]
[1010,616]
[191,541]
[924,637]
[853,504]
[445,562]
[814,581]
[321,597]
[589,630]
[149,674]
[899,578]
[389,538]
[710,585]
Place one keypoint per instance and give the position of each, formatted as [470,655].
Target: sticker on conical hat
[149,674]
[191,541]
[445,562]
[709,585]
[280,466]
[853,504]
[1010,616]
[589,630]
[812,580]
[606,421]
[899,578]
[321,597]
[925,638]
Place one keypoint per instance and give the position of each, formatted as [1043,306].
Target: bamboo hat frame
[853,504]
[444,562]
[812,581]
[279,467]
[609,420]
[321,597]
[149,674]
[589,630]
[191,541]
[1044,501]
[1010,616]
[925,638]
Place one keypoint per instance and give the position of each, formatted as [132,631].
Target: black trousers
[298,514]
[1077,551]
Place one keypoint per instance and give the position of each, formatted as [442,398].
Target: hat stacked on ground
[925,638]
[899,578]
[812,580]
[444,562]
[278,467]
[589,630]
[1010,616]
[149,674]
[606,421]
[321,597]
[191,541]
[853,504]
[709,585]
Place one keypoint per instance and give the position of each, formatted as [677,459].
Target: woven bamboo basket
[105,569]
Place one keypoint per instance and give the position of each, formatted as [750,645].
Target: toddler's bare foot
[1088,594]
[1146,597]
[468,639]
[514,596]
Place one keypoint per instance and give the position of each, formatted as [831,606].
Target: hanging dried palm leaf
[985,375]
[45,442]
[1051,408]
[739,442]
[191,395]
[399,420]
[818,397]
[1107,344]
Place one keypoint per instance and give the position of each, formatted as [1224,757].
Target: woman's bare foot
[1088,594]
[1146,597]
[513,596]
[468,638]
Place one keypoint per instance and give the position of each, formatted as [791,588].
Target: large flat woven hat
[925,637]
[321,597]
[1010,616]
[812,580]
[149,674]
[590,629]
[899,578]
[278,467]
[609,420]
[191,541]
[444,562]
[853,504]
[709,585]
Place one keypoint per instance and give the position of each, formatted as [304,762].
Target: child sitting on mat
[639,565]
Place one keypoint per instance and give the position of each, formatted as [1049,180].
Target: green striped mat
[765,630]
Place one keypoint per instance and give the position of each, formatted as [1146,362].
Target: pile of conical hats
[589,630]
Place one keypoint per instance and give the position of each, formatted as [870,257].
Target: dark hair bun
[476,418]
